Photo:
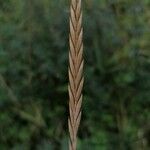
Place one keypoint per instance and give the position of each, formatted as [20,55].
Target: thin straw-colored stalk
[75,71]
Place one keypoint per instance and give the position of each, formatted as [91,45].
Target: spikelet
[75,71]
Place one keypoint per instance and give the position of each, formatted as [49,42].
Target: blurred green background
[34,75]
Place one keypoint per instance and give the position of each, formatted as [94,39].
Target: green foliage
[33,75]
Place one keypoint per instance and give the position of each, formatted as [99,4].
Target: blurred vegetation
[33,75]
